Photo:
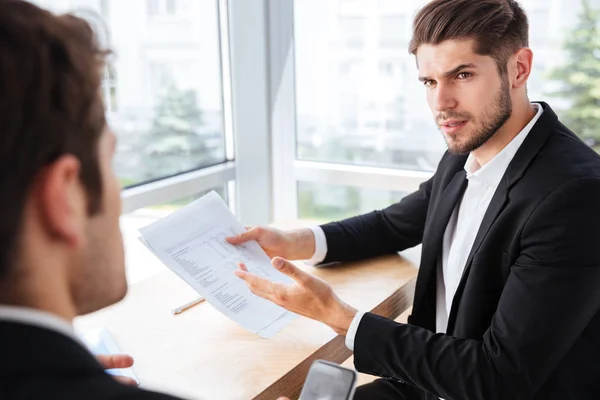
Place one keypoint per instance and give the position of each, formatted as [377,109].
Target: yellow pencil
[187,306]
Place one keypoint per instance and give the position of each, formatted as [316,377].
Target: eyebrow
[453,71]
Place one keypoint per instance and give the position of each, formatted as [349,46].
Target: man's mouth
[450,127]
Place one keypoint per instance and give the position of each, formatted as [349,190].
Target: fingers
[278,293]
[115,361]
[251,234]
[291,270]
[259,286]
[267,289]
[126,380]
[111,361]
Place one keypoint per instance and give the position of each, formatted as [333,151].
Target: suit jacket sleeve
[393,229]
[550,296]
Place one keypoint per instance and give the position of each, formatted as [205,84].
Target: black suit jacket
[524,323]
[36,363]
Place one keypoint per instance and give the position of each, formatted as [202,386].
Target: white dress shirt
[461,230]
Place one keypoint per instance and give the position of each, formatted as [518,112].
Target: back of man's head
[52,124]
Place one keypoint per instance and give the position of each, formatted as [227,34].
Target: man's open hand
[309,296]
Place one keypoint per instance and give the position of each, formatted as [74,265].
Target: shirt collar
[492,172]
[38,318]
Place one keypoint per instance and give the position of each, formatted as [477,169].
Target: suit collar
[491,173]
[538,136]
[39,318]
[540,132]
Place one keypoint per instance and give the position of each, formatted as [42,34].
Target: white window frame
[249,52]
[177,187]
[259,105]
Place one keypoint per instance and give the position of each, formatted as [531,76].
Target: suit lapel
[531,146]
[496,206]
[528,150]
[425,293]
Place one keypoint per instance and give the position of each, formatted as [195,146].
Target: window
[320,202]
[153,7]
[393,30]
[353,86]
[158,8]
[163,89]
[368,112]
[566,68]
[351,31]
[109,89]
[171,7]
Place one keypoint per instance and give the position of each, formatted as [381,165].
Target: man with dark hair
[507,297]
[61,251]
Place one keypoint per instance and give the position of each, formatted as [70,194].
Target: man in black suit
[61,251]
[508,292]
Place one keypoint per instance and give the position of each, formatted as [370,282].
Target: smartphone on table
[328,381]
[100,341]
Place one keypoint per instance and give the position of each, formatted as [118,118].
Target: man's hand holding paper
[192,243]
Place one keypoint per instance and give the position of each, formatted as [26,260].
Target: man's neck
[49,295]
[520,117]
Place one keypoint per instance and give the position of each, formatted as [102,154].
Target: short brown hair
[499,27]
[50,105]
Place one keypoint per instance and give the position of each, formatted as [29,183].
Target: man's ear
[523,62]
[61,201]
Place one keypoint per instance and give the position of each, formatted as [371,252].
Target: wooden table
[201,354]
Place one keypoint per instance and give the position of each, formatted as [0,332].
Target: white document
[191,242]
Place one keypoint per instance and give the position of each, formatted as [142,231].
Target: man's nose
[444,98]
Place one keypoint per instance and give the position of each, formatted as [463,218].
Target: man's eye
[464,75]
[428,82]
